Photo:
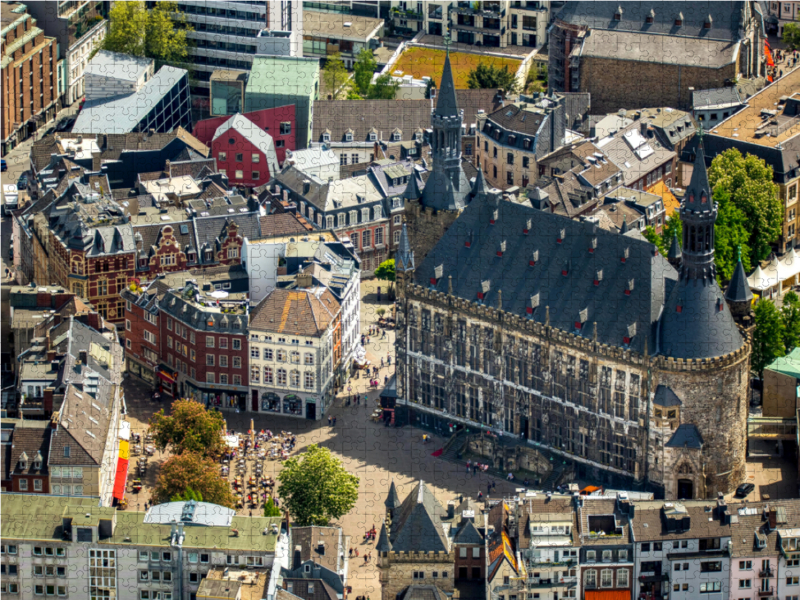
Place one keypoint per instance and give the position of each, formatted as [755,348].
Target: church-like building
[586,346]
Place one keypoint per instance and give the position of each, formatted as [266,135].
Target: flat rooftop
[746,124]
[343,27]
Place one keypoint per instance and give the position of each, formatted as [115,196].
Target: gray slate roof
[417,525]
[666,397]
[726,17]
[686,436]
[715,97]
[738,288]
[571,297]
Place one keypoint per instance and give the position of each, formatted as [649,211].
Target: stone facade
[398,570]
[619,83]
[426,226]
[587,402]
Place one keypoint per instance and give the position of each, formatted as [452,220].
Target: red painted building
[277,122]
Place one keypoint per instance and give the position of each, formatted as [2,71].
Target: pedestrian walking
[329,420]
[356,552]
[369,556]
[334,421]
[381,363]
[365,559]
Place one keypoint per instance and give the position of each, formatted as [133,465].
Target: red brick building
[29,76]
[188,335]
[277,122]
[25,457]
[94,262]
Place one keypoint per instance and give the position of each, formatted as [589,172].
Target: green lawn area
[423,62]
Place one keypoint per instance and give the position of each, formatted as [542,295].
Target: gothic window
[488,338]
[633,397]
[684,469]
[584,370]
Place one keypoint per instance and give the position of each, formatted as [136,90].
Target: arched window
[685,469]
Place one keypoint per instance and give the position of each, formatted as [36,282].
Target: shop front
[217,396]
[145,372]
[167,381]
[270,402]
[293,405]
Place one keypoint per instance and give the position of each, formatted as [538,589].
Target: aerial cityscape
[388,300]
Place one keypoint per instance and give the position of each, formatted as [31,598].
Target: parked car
[744,490]
[22,182]
[3,165]
[65,124]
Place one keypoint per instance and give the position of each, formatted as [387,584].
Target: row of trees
[750,213]
[315,488]
[158,33]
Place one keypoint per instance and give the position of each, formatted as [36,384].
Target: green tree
[489,76]
[385,270]
[672,226]
[364,68]
[730,234]
[270,510]
[791,36]
[654,238]
[767,337]
[317,488]
[134,30]
[188,494]
[195,474]
[384,88]
[428,87]
[335,76]
[188,427]
[790,315]
[748,183]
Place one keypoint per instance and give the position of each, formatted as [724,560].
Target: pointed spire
[446,105]
[479,187]
[698,194]
[674,248]
[739,288]
[392,500]
[384,545]
[412,188]
[624,229]
[403,260]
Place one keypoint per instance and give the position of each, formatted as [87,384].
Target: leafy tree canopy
[790,315]
[335,76]
[746,184]
[188,427]
[135,30]
[489,76]
[791,36]
[270,510]
[187,495]
[768,336]
[316,488]
[385,270]
[364,68]
[193,474]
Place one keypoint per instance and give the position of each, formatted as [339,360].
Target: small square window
[239,157]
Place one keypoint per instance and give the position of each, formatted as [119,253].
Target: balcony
[653,577]
[410,15]
[766,573]
[491,14]
[549,563]
[540,583]
[763,593]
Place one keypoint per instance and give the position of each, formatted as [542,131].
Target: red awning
[607,595]
[121,478]
[166,376]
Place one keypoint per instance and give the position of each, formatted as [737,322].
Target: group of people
[476,466]
[789,56]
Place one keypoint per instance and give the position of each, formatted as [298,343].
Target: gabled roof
[392,499]
[260,139]
[726,17]
[666,397]
[686,436]
[417,526]
[562,277]
[298,312]
[739,288]
[446,105]
[467,533]
[33,442]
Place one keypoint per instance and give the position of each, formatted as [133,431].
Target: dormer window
[348,137]
[373,137]
[397,135]
[23,461]
[326,137]
[707,22]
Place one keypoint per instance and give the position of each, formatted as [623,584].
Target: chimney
[451,509]
[51,356]
[48,400]
[43,300]
[83,357]
[773,517]
[297,559]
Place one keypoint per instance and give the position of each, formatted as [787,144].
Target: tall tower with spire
[447,190]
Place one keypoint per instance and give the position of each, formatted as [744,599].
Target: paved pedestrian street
[373,452]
